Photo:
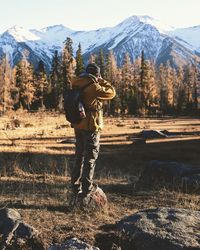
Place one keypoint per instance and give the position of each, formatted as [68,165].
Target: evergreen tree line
[141,86]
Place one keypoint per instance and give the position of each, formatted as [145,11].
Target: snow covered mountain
[191,35]
[136,33]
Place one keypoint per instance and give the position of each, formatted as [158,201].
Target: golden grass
[42,196]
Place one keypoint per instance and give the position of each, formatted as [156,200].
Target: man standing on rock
[87,132]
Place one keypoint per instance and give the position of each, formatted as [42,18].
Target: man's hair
[93,68]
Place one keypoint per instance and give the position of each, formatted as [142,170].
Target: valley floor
[36,154]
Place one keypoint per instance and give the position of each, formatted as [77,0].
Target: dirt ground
[36,154]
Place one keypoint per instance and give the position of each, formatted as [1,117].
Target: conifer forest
[143,88]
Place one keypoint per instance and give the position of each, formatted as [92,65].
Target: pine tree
[67,60]
[127,70]
[198,89]
[25,84]
[111,67]
[162,88]
[55,81]
[190,78]
[79,61]
[136,82]
[126,91]
[112,75]
[195,85]
[19,79]
[29,87]
[143,86]
[179,89]
[101,62]
[41,84]
[170,87]
[6,85]
[68,64]
[152,94]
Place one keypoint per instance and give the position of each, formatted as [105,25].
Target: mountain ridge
[132,35]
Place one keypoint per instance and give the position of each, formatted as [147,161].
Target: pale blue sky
[94,14]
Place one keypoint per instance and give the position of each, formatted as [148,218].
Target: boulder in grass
[9,221]
[15,233]
[74,244]
[95,201]
[172,175]
[160,228]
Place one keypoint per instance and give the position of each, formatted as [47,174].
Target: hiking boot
[92,190]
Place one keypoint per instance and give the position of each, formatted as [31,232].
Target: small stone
[74,244]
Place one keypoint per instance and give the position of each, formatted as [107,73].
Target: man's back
[93,95]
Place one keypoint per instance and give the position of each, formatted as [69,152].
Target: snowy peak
[138,20]
[57,29]
[48,34]
[20,34]
[160,42]
[53,34]
[161,27]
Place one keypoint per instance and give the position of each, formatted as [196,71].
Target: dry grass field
[36,153]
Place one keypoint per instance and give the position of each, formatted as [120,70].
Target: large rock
[15,232]
[172,175]
[74,244]
[160,229]
[97,200]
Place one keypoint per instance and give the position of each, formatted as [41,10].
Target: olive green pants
[86,154]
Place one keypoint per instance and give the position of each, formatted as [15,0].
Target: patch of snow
[8,49]
[21,35]
[190,35]
[162,28]
[133,34]
[53,34]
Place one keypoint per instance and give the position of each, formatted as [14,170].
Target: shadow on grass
[124,188]
[36,163]
[51,208]
[115,161]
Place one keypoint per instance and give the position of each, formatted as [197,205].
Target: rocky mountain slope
[136,33]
